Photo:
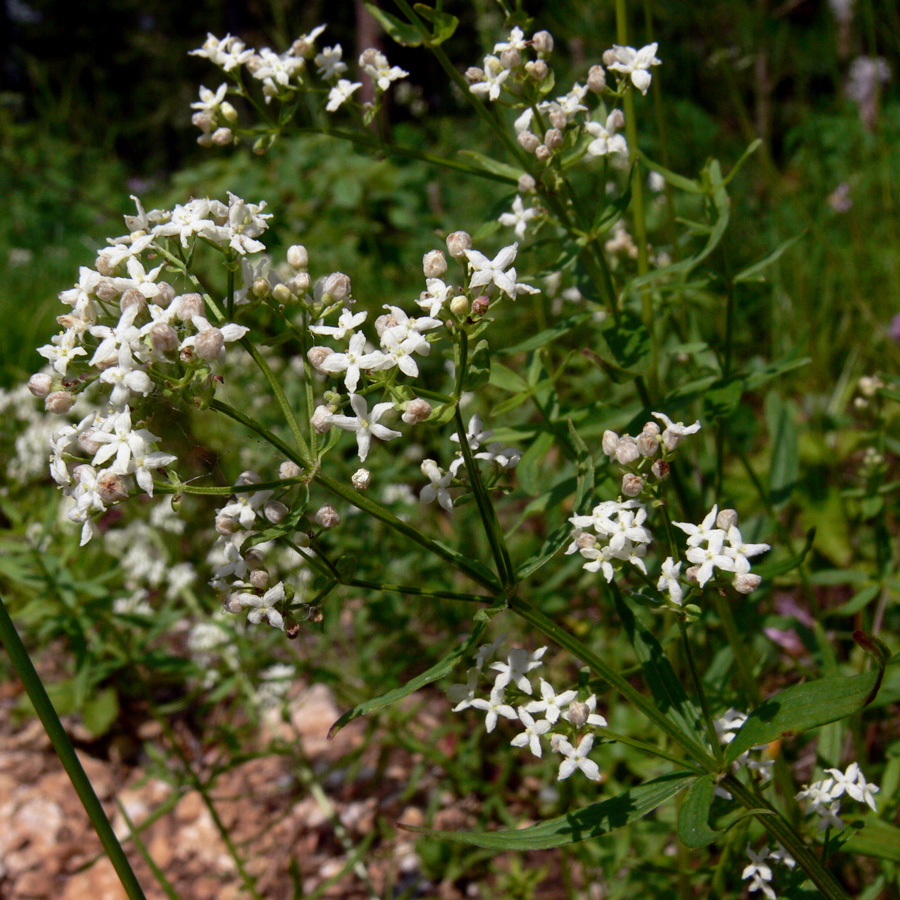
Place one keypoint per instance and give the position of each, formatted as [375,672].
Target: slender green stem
[21,662]
[698,687]
[263,432]
[418,592]
[609,735]
[739,649]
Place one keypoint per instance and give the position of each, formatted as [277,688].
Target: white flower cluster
[619,536]
[822,797]
[759,872]
[127,330]
[571,719]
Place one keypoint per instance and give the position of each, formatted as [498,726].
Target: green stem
[21,662]
[698,687]
[263,432]
[749,685]
[418,592]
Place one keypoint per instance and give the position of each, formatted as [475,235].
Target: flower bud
[282,293]
[691,574]
[727,518]
[337,286]
[289,469]
[632,485]
[578,713]
[526,184]
[553,139]
[459,305]
[510,58]
[229,113]
[302,48]
[647,444]
[542,153]
[297,256]
[203,120]
[383,322]
[417,410]
[232,604]
[189,306]
[88,442]
[360,479]
[609,57]
[596,80]
[165,295]
[163,337]
[536,69]
[618,119]
[627,451]
[222,137]
[209,344]
[474,75]
[318,355]
[480,305]
[651,428]
[558,119]
[660,469]
[248,477]
[111,487]
[225,525]
[299,284]
[260,287]
[610,442]
[133,297]
[259,578]
[542,42]
[586,541]
[528,141]
[458,242]
[328,516]
[321,419]
[868,385]
[106,291]
[434,264]
[747,583]
[39,384]
[254,559]
[275,511]
[59,402]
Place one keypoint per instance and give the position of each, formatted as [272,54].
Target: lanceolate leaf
[693,818]
[804,706]
[590,822]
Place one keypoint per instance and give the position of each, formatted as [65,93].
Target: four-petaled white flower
[518,663]
[365,424]
[353,361]
[494,76]
[494,271]
[519,217]
[577,758]
[347,321]
[668,581]
[341,93]
[437,489]
[854,783]
[551,704]
[494,707]
[636,63]
[264,607]
[606,141]
[531,736]
[674,431]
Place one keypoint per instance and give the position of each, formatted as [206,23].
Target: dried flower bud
[297,256]
[322,419]
[315,615]
[474,75]
[542,42]
[318,355]
[596,80]
[39,384]
[553,139]
[163,337]
[328,516]
[627,451]
[165,295]
[747,583]
[458,242]
[510,58]
[209,344]
[434,264]
[111,487]
[727,518]
[459,305]
[480,305]
[337,286]
[417,410]
[536,69]
[360,479]
[59,402]
[610,442]
[259,578]
[542,153]
[609,57]
[647,444]
[189,306]
[299,284]
[578,713]
[133,297]
[660,469]
[632,485]
[289,469]
[275,511]
[528,141]
[222,137]
[526,184]
[225,525]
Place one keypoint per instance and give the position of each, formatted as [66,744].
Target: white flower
[264,607]
[365,424]
[551,704]
[757,865]
[854,783]
[704,532]
[353,361]
[519,217]
[675,431]
[494,707]
[577,758]
[487,271]
[341,93]
[62,350]
[709,558]
[463,694]
[210,100]
[347,321]
[518,663]
[605,138]
[438,487]
[494,76]
[531,736]
[375,65]
[668,581]
[636,63]
[516,41]
[740,552]
[329,62]
[227,53]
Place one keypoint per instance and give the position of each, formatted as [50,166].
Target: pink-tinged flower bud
[434,264]
[189,306]
[297,256]
[101,264]
[255,559]
[209,344]
[248,477]
[165,296]
[536,70]
[337,286]
[203,120]
[553,139]
[289,469]
[261,287]
[510,58]
[133,297]
[596,80]
[558,120]
[647,444]
[107,292]
[322,419]
[474,75]
[275,511]
[360,479]
[542,153]
[651,428]
[526,184]
[88,442]
[222,137]
[163,337]
[282,293]
[542,42]
[618,119]
[299,284]
[318,355]
[259,578]
[480,305]
[528,141]
[627,451]
[727,518]
[578,713]
[232,605]
[303,48]
[458,242]
[383,322]
[691,574]
[459,305]
[747,583]
[586,541]
[225,525]
[609,57]
[417,410]
[660,469]
[111,487]
[632,485]
[328,516]
[39,384]
[59,402]
[610,442]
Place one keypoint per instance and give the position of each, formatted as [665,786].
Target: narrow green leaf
[444,24]
[506,379]
[693,817]
[676,180]
[528,471]
[879,839]
[802,707]
[590,822]
[402,32]
[754,272]
[501,170]
[784,469]
[547,335]
[438,670]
